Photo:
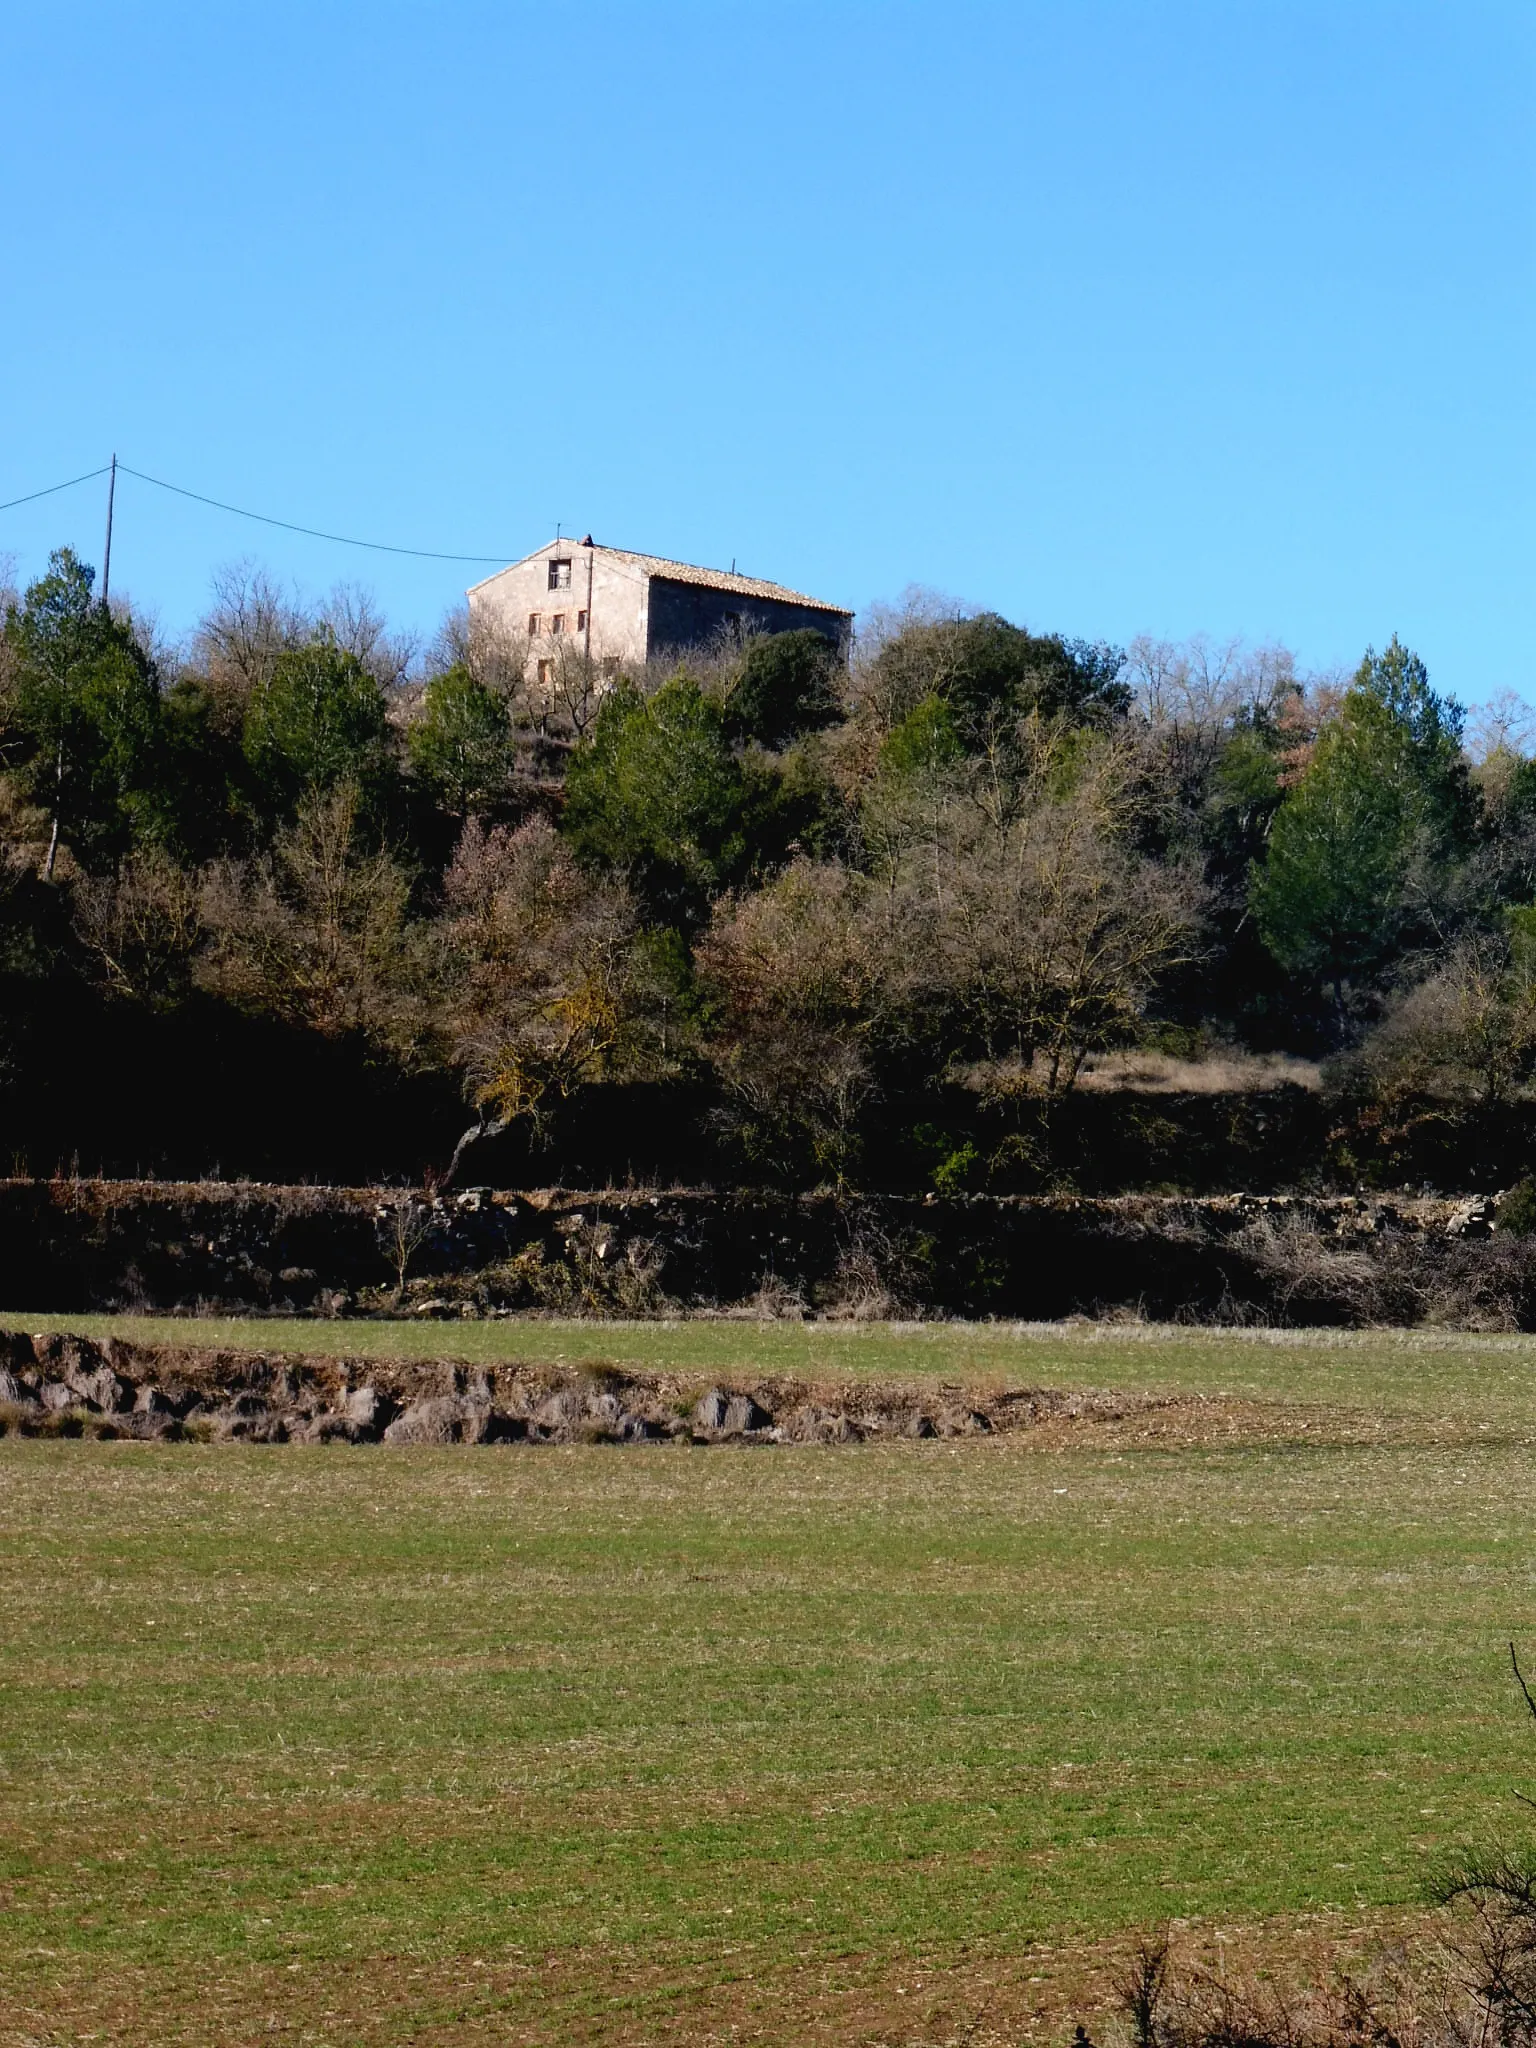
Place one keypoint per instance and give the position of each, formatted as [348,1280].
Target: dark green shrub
[1516,1215]
[788,686]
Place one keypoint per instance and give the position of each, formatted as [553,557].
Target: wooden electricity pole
[106,559]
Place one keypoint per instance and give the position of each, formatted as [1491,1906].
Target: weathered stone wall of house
[617,604]
[692,615]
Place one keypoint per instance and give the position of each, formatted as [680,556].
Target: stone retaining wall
[72,1386]
[102,1245]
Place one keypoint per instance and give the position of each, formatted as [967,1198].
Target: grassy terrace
[871,1744]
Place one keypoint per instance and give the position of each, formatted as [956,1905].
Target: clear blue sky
[1115,317]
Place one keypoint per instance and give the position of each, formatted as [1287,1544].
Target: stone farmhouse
[618,609]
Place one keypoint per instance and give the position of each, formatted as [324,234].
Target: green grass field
[874,1744]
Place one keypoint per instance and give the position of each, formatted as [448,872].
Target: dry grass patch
[1232,1072]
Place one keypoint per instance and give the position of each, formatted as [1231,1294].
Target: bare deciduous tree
[248,625]
[141,927]
[1500,737]
[404,1227]
[1031,929]
[545,985]
[351,616]
[316,932]
[483,643]
[569,689]
[794,973]
[252,622]
[1200,685]
[1465,1034]
[902,654]
[1505,724]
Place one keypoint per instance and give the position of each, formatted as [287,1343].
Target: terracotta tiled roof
[722,579]
[686,572]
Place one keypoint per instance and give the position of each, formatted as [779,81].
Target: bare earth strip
[898,1741]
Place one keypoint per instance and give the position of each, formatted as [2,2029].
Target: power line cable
[341,539]
[48,493]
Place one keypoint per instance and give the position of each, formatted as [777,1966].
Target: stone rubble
[64,1385]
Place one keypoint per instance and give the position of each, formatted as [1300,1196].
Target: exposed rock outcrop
[73,1386]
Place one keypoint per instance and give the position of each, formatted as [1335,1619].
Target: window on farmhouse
[560,574]
[533,625]
[581,622]
[546,673]
[557,623]
[610,665]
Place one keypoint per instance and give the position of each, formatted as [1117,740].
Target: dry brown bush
[1466,1034]
[874,1280]
[1304,1273]
[1469,1983]
[793,974]
[543,985]
[141,927]
[1028,929]
[1313,1276]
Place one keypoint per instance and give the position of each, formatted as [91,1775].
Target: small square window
[610,665]
[533,625]
[581,622]
[546,673]
[560,573]
[557,623]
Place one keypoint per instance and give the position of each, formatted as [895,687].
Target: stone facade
[618,610]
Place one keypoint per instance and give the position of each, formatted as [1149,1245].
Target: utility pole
[106,559]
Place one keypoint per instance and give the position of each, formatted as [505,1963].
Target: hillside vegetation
[299,900]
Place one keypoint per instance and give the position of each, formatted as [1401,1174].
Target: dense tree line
[976,859]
